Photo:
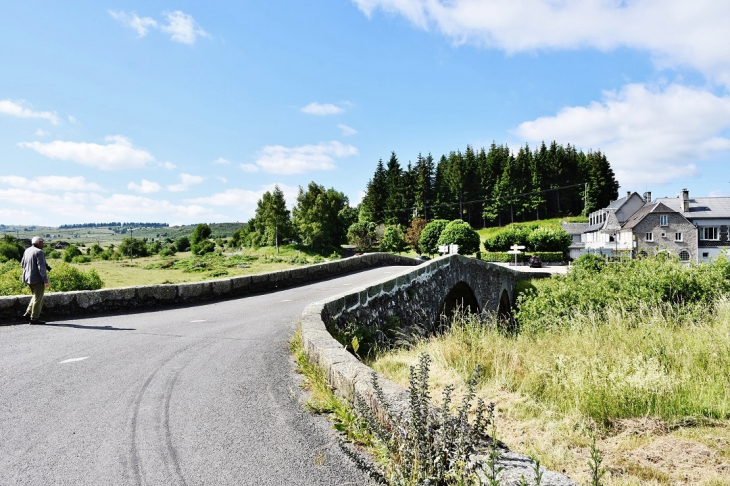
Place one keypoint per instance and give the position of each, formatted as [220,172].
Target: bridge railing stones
[131,299]
[374,304]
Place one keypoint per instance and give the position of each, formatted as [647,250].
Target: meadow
[649,377]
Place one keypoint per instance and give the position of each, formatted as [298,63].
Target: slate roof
[657,207]
[574,228]
[700,207]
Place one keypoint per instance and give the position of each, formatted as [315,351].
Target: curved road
[188,396]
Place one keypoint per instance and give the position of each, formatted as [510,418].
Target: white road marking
[347,284]
[199,320]
[73,359]
[286,300]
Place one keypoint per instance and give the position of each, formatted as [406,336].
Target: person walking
[34,274]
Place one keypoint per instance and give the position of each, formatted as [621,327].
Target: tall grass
[605,367]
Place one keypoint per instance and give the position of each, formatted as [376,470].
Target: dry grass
[637,450]
[123,273]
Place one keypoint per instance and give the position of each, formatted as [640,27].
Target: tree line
[490,187]
[112,224]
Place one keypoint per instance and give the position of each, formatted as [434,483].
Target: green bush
[430,236]
[549,239]
[509,236]
[53,254]
[81,259]
[10,279]
[134,247]
[167,252]
[363,236]
[182,243]
[460,233]
[95,249]
[504,257]
[70,252]
[393,240]
[65,278]
[200,233]
[205,246]
[592,287]
[10,249]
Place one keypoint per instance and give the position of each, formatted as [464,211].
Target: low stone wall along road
[181,396]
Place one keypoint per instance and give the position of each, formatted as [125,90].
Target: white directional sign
[516,250]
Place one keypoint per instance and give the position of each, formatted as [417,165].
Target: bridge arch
[460,297]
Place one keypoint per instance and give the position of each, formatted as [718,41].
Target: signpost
[451,249]
[516,250]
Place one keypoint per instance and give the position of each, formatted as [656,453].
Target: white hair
[36,240]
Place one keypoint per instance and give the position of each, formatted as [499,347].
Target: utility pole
[585,198]
[131,244]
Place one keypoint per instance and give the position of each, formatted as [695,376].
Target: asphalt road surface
[189,396]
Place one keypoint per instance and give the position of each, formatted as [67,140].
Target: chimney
[685,200]
[628,194]
[647,196]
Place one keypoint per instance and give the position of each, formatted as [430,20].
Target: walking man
[34,274]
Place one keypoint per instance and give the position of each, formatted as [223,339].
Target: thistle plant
[429,445]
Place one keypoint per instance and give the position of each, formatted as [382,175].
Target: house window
[684,255]
[677,236]
[650,237]
[709,233]
[663,220]
[705,254]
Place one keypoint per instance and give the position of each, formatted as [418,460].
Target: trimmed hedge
[504,257]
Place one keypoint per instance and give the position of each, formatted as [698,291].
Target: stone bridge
[419,296]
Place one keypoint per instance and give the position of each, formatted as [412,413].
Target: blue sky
[186,112]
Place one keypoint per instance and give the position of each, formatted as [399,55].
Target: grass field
[551,389]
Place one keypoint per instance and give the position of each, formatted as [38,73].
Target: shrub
[430,236]
[70,252]
[504,257]
[10,249]
[413,235]
[549,239]
[205,246]
[133,246]
[509,236]
[363,236]
[81,259]
[53,254]
[182,243]
[393,240]
[460,233]
[10,279]
[95,249]
[167,252]
[200,233]
[65,278]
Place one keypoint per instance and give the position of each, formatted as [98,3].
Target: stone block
[92,298]
[374,290]
[221,287]
[240,284]
[59,300]
[157,293]
[8,302]
[194,291]
[352,300]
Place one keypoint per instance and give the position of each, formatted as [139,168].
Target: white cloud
[322,110]
[675,32]
[249,167]
[245,200]
[117,154]
[346,131]
[52,183]
[182,27]
[140,24]
[649,135]
[167,165]
[221,179]
[221,161]
[277,159]
[17,108]
[186,180]
[72,119]
[41,133]
[144,187]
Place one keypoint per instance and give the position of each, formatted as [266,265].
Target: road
[187,396]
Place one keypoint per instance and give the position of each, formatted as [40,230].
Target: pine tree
[372,208]
[394,202]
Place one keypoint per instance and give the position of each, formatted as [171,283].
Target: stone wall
[130,299]
[402,295]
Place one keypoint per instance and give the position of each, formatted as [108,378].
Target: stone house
[657,227]
[710,215]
